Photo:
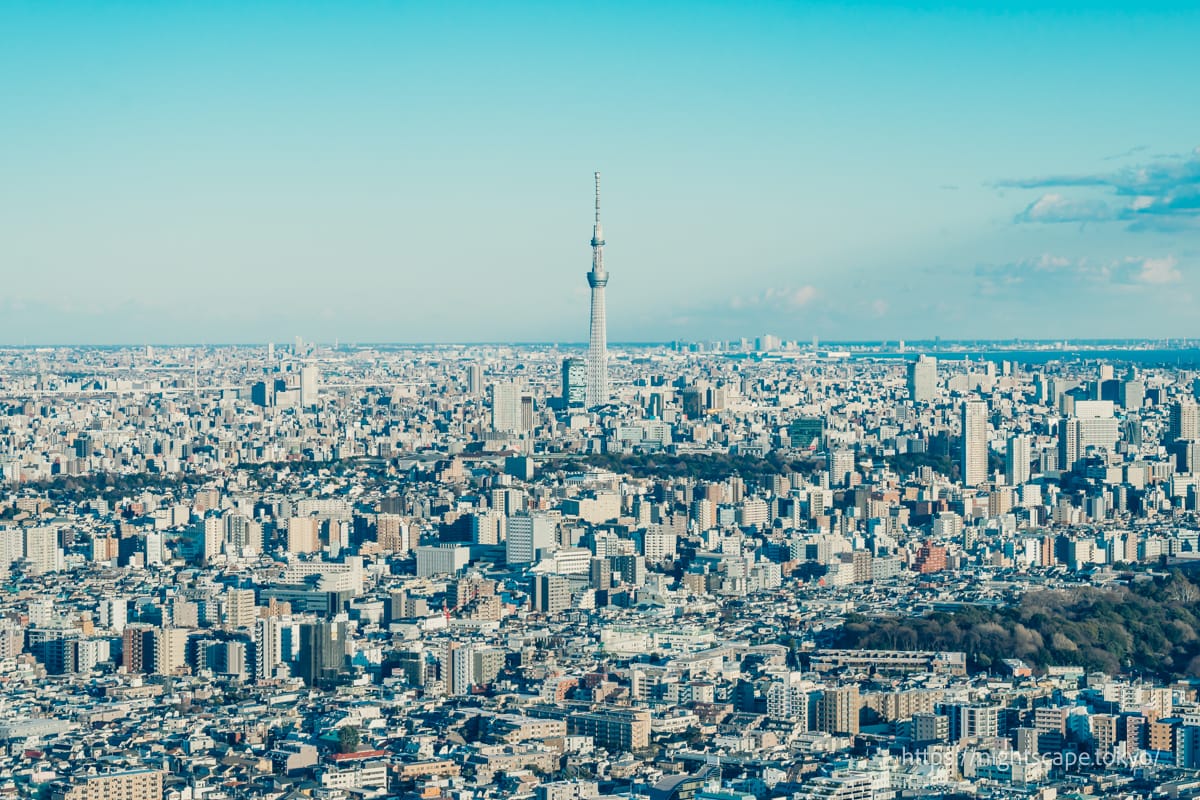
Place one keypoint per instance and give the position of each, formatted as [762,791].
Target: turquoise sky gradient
[381,171]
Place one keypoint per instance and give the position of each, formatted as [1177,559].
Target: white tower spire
[597,358]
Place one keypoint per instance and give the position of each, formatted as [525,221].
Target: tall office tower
[474,379]
[310,386]
[974,443]
[506,407]
[1016,463]
[527,418]
[1132,394]
[922,379]
[1185,421]
[1092,426]
[574,382]
[597,357]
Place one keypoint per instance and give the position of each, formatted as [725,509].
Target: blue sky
[384,171]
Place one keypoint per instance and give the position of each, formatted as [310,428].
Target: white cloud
[1047,261]
[1158,271]
[802,296]
[777,298]
[1053,207]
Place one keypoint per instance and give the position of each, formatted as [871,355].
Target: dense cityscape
[862,463]
[756,569]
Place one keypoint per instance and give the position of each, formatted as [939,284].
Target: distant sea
[1184,358]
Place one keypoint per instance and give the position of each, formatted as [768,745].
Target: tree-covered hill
[1150,627]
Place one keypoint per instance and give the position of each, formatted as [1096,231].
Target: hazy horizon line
[1171,342]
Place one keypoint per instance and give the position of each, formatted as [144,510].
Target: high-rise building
[240,611]
[170,650]
[597,357]
[788,698]
[137,648]
[507,411]
[1184,421]
[214,538]
[113,613]
[922,379]
[273,644]
[303,535]
[841,467]
[42,550]
[310,386]
[1016,463]
[1132,394]
[322,650]
[974,443]
[474,379]
[551,594]
[1092,426]
[807,433]
[574,383]
[392,533]
[243,536]
[836,710]
[456,668]
[525,535]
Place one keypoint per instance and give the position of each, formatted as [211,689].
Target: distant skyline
[403,172]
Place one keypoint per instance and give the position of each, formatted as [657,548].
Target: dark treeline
[1149,628]
[109,486]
